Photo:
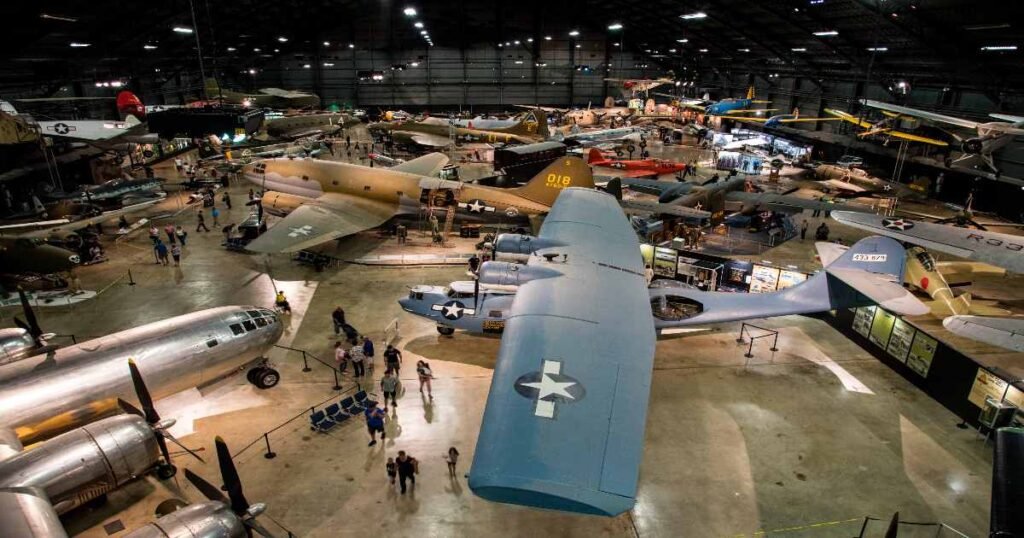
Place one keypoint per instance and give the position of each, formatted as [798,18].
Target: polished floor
[806,441]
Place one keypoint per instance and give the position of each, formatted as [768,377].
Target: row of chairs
[341,411]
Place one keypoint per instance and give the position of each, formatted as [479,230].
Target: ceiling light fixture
[547,38]
[57,18]
[149,47]
[327,43]
[574,33]
[182,30]
[418,24]
[77,45]
[878,49]
[283,39]
[351,45]
[694,16]
[1000,47]
[682,41]
[798,49]
[409,12]
[615,26]
[827,33]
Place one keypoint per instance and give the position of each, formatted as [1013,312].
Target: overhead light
[574,33]
[182,29]
[798,49]
[57,18]
[878,49]
[547,38]
[743,50]
[306,66]
[516,42]
[694,16]
[519,62]
[414,64]
[328,64]
[351,45]
[77,45]
[673,51]
[703,50]
[282,39]
[252,71]
[277,50]
[615,26]
[529,40]
[682,41]
[257,49]
[327,43]
[616,44]
[826,33]
[418,24]
[577,45]
[816,2]
[149,47]
[424,32]
[409,12]
[232,49]
[508,43]
[501,45]
[990,47]
[968,28]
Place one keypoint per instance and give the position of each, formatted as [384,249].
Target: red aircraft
[635,168]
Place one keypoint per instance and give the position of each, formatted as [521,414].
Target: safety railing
[306,355]
[766,333]
[873,526]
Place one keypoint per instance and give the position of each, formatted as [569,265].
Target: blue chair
[364,400]
[333,412]
[320,422]
[348,405]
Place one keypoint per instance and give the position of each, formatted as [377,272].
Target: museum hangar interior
[712,268]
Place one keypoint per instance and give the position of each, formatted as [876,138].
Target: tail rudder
[532,123]
[559,175]
[874,268]
[750,92]
[874,254]
[594,156]
[129,105]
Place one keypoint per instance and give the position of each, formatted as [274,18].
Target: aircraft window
[400,193]
[494,314]
[335,182]
[674,308]
[211,343]
[236,328]
[926,260]
[305,178]
[262,322]
[253,313]
[366,187]
[415,295]
[249,325]
[267,313]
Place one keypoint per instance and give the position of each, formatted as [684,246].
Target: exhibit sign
[881,328]
[764,279]
[922,351]
[862,320]
[789,278]
[899,342]
[986,384]
[665,262]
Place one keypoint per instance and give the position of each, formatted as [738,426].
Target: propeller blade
[129,408]
[30,316]
[977,225]
[163,447]
[174,440]
[894,526]
[229,474]
[260,529]
[207,489]
[142,393]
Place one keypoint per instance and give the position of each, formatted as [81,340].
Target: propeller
[153,419]
[30,316]
[233,486]
[894,526]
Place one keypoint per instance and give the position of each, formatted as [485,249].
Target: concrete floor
[806,441]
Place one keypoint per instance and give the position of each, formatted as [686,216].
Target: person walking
[161,253]
[356,356]
[452,459]
[648,274]
[803,229]
[201,222]
[425,374]
[368,352]
[176,254]
[215,213]
[182,234]
[375,424]
[338,317]
[154,234]
[226,198]
[340,357]
[392,470]
[169,230]
[392,359]
[389,386]
[408,468]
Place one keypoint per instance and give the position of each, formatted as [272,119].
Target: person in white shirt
[340,356]
[356,356]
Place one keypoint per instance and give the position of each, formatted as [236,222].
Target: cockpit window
[236,328]
[674,307]
[249,325]
[926,260]
[253,313]
[261,322]
[266,312]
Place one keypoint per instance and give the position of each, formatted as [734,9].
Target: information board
[921,353]
[665,262]
[862,320]
[986,384]
[765,279]
[790,278]
[899,342]
[881,327]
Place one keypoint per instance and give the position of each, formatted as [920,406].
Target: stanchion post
[750,349]
[270,453]
[743,327]
[305,364]
[775,344]
[131,281]
[337,386]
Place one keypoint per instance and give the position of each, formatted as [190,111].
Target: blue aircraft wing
[564,423]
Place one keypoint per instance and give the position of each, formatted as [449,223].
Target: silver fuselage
[210,519]
[45,395]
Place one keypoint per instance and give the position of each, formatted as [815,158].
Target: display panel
[881,327]
[899,342]
[921,353]
[765,279]
[665,262]
[986,384]
[862,320]
[790,278]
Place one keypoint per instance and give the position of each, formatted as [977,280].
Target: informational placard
[665,262]
[789,278]
[765,279]
[1015,396]
[986,384]
[862,320]
[881,328]
[922,351]
[899,342]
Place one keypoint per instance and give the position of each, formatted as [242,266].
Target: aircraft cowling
[15,344]
[512,274]
[281,204]
[972,145]
[670,195]
[519,247]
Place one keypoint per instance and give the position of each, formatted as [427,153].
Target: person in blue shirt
[375,417]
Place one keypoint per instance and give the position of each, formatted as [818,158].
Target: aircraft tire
[166,471]
[446,331]
[251,374]
[266,378]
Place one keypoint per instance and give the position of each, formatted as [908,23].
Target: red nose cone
[628,84]
[129,103]
[924,283]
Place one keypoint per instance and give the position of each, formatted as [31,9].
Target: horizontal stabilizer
[1007,333]
[886,293]
[874,267]
[427,165]
[829,252]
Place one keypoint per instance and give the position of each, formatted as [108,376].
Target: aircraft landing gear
[446,331]
[166,471]
[263,377]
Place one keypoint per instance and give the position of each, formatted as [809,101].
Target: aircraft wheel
[446,331]
[266,378]
[251,374]
[166,471]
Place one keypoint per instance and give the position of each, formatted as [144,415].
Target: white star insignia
[548,386]
[476,206]
[301,230]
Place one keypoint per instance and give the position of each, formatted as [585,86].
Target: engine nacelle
[281,204]
[15,344]
[512,274]
[519,247]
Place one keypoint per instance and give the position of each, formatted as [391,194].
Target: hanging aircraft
[33,255]
[856,182]
[590,116]
[73,468]
[630,87]
[618,136]
[635,167]
[730,107]
[325,200]
[990,136]
[307,125]
[779,119]
[55,390]
[99,132]
[870,274]
[885,128]
[263,98]
[531,127]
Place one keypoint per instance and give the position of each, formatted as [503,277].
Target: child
[452,458]
[392,470]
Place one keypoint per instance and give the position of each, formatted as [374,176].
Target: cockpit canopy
[674,307]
